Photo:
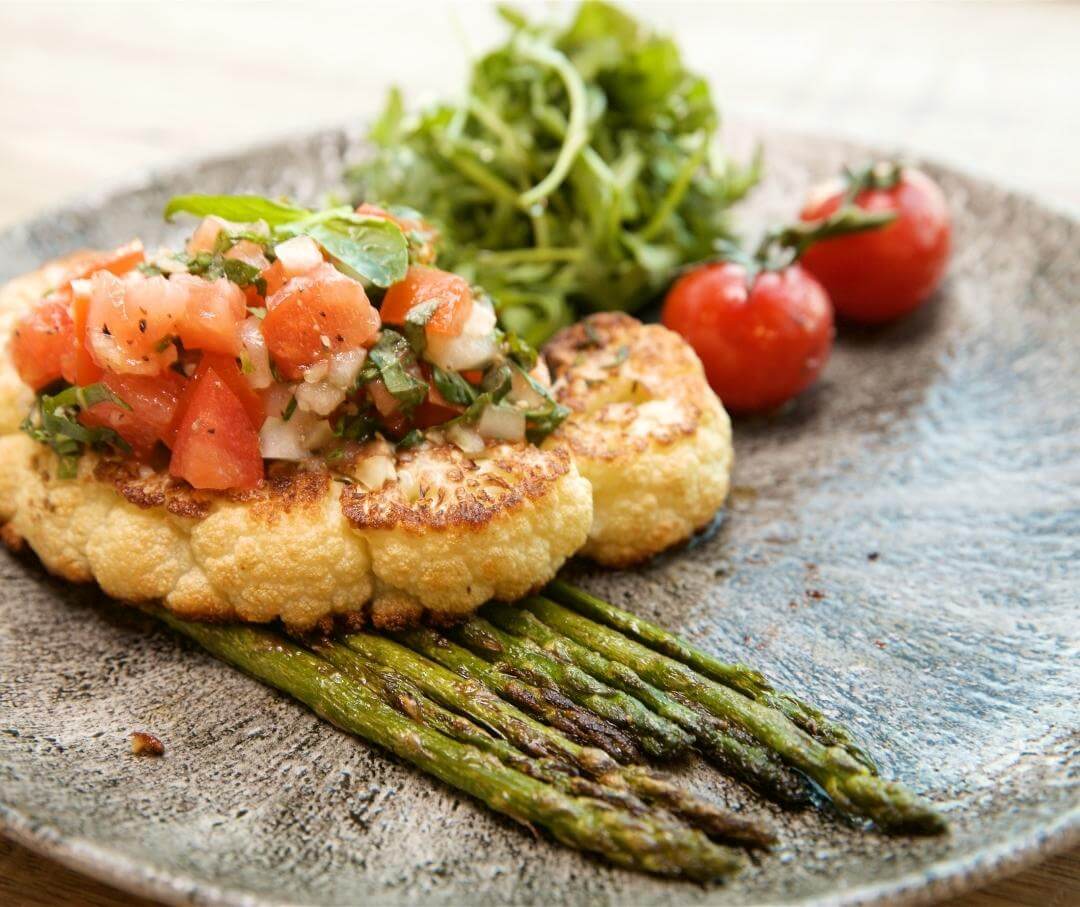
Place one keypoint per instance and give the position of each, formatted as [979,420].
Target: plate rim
[934,881]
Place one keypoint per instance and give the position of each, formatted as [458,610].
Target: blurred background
[95,92]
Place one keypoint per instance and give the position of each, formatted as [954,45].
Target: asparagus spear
[749,762]
[652,842]
[467,696]
[737,676]
[551,706]
[852,787]
[406,697]
[659,737]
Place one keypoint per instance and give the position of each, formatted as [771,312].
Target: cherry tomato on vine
[763,335]
[879,275]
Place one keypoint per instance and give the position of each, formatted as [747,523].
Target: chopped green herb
[413,438]
[53,421]
[290,408]
[393,357]
[415,322]
[452,387]
[359,426]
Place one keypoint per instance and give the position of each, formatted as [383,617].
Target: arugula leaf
[371,248]
[453,387]
[393,356]
[53,421]
[237,208]
[580,170]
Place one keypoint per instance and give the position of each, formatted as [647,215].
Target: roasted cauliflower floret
[645,429]
[453,531]
[440,539]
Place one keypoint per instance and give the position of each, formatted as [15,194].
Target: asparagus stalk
[406,697]
[467,696]
[749,762]
[852,787]
[659,737]
[739,677]
[551,706]
[652,842]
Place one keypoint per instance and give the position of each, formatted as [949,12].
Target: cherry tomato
[315,315]
[882,274]
[39,342]
[451,294]
[762,341]
[216,446]
[153,402]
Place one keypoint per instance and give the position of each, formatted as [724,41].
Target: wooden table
[93,93]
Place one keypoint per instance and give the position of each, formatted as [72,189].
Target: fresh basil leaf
[290,408]
[393,356]
[452,387]
[237,208]
[371,248]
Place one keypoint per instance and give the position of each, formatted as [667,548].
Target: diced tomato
[216,446]
[436,409]
[473,375]
[275,278]
[117,261]
[229,371]
[76,363]
[250,253]
[313,316]
[41,338]
[212,314]
[131,322]
[154,401]
[452,295]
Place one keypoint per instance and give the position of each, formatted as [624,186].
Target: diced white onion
[294,439]
[280,440]
[313,374]
[501,423]
[522,392]
[375,471]
[322,398]
[251,336]
[474,347]
[345,366]
[298,255]
[468,439]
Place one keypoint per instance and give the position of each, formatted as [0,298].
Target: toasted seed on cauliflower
[645,429]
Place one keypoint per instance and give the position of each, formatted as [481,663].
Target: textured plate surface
[903,546]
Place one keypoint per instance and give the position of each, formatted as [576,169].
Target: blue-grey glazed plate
[902,546]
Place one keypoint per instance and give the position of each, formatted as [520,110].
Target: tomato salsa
[289,335]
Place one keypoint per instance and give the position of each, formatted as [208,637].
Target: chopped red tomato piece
[275,278]
[117,261]
[41,338]
[216,446]
[131,322]
[451,294]
[315,315]
[229,371]
[435,410]
[153,403]
[213,310]
[76,363]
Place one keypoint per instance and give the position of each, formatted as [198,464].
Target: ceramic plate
[903,546]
